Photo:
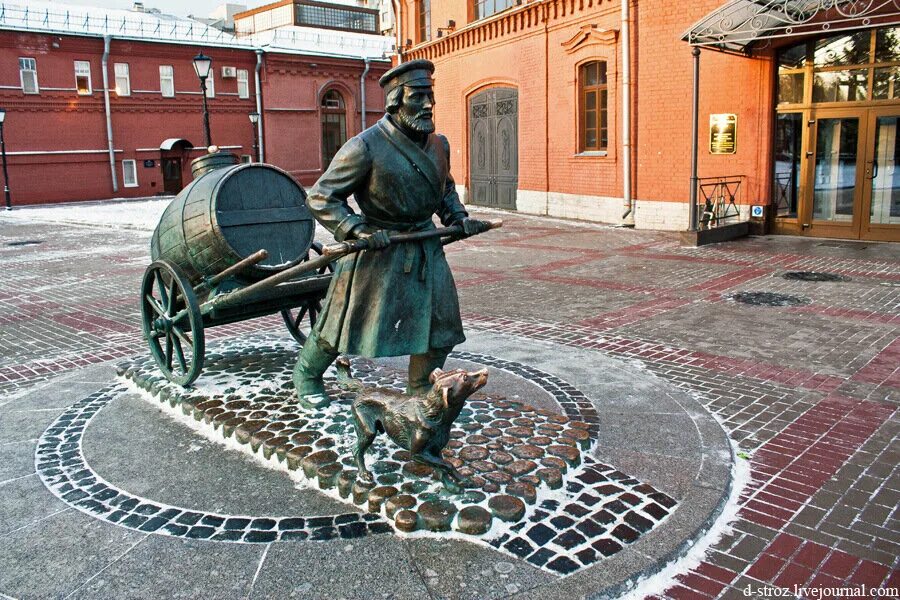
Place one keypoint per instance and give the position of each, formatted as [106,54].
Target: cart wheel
[172,323]
[293,317]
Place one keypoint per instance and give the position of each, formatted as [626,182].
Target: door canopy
[739,24]
[175,144]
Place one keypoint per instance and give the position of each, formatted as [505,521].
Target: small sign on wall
[723,133]
[149,163]
[756,212]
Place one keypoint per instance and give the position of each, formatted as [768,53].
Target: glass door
[836,167]
[838,148]
[881,187]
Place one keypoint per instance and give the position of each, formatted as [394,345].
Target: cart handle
[329,254]
[255,258]
[454,231]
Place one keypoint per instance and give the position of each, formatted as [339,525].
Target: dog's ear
[435,375]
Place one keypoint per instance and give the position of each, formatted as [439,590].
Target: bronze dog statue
[419,424]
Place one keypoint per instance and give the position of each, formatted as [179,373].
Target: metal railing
[717,200]
[98,21]
[160,27]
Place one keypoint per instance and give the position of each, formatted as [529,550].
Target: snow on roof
[46,17]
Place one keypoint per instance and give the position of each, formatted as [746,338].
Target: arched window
[334,125]
[594,126]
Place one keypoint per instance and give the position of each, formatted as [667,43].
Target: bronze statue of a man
[397,299]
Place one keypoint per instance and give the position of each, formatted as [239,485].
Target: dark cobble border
[62,467]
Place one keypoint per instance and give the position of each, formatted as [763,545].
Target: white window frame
[243,83]
[134,181]
[122,74]
[83,69]
[211,85]
[28,67]
[246,158]
[167,77]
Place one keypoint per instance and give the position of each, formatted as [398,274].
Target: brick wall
[536,49]
[56,140]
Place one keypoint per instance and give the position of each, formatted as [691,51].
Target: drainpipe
[259,110]
[398,29]
[362,92]
[109,132]
[628,217]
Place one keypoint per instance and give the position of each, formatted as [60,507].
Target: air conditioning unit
[229,72]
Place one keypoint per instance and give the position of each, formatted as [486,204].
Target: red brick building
[308,85]
[801,109]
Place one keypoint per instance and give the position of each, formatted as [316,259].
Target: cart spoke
[154,303]
[182,336]
[173,292]
[169,351]
[299,318]
[180,355]
[162,288]
[181,314]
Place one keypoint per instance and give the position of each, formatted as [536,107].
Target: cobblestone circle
[540,495]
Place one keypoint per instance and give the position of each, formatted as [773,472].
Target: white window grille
[28,75]
[129,173]
[211,85]
[243,83]
[167,81]
[123,80]
[83,77]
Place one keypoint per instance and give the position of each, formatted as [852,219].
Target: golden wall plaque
[723,133]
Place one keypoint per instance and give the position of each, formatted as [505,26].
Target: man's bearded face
[415,113]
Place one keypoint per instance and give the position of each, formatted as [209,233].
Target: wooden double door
[494,148]
[842,177]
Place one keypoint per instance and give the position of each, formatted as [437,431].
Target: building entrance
[171,169]
[494,148]
[842,176]
[837,156]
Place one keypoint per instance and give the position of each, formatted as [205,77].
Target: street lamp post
[3,152]
[203,66]
[254,119]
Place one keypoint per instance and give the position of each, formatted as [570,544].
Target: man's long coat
[400,299]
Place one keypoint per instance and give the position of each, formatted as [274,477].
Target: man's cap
[415,73]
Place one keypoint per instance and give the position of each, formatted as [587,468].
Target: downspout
[362,93]
[628,216]
[259,124]
[109,132]
[398,29]
[546,18]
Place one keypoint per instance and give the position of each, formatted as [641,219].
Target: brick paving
[809,393]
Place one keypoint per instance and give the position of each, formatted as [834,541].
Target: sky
[180,8]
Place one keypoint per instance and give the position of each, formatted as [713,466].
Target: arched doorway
[334,125]
[494,147]
[172,154]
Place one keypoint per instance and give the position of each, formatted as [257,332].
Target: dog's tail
[344,378]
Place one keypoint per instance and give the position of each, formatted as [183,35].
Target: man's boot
[312,363]
[420,368]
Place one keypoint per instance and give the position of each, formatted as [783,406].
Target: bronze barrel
[229,212]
